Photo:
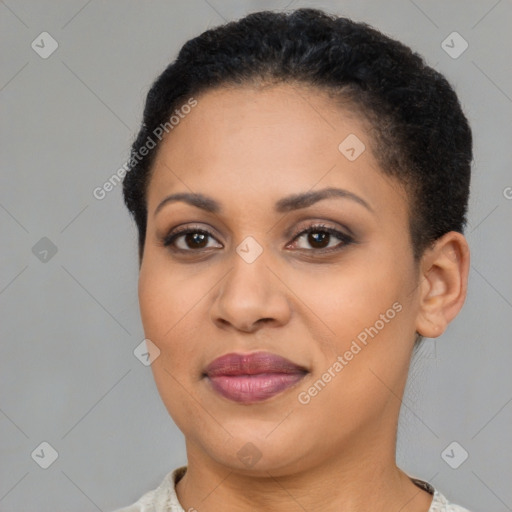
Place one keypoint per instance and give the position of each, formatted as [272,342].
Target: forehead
[249,143]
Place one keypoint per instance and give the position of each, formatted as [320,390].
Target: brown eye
[320,238]
[195,240]
[317,239]
[189,239]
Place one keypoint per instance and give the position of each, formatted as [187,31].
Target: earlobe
[444,274]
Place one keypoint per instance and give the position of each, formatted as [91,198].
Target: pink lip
[253,377]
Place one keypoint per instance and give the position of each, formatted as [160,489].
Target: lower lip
[253,388]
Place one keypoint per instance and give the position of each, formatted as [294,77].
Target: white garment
[164,499]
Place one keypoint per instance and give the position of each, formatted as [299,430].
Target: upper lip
[251,364]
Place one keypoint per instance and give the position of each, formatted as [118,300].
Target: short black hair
[420,134]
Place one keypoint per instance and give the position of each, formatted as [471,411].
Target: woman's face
[340,306]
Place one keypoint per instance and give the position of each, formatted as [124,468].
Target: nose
[250,297]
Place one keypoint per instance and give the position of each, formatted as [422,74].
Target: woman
[300,185]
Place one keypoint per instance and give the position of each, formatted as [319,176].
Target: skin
[247,148]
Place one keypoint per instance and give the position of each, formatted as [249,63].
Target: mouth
[251,378]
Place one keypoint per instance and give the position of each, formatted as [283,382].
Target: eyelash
[345,239]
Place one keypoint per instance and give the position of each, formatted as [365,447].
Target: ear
[444,277]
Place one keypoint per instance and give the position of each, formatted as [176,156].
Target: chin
[253,452]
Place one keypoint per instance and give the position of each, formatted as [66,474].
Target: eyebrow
[286,204]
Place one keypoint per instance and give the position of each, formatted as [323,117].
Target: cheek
[164,298]
[373,336]
[351,297]
[167,307]
[365,309]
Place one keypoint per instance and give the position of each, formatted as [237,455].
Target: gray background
[70,321]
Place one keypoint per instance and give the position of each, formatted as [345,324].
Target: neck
[361,476]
